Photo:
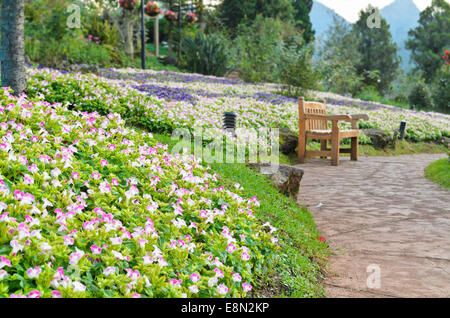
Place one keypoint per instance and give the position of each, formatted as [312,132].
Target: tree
[302,9]
[12,45]
[339,58]
[378,51]
[429,39]
[234,12]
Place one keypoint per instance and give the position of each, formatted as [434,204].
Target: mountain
[402,16]
[322,18]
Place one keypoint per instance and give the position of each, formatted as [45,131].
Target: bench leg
[301,149]
[335,152]
[323,146]
[334,143]
[354,151]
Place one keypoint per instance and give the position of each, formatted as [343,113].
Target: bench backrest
[312,108]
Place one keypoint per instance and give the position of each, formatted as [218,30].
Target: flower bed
[90,208]
[165,100]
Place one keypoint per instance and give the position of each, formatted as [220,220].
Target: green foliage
[378,52]
[339,58]
[439,172]
[207,54]
[441,89]
[235,12]
[430,39]
[302,9]
[297,70]
[107,33]
[420,96]
[260,47]
[74,49]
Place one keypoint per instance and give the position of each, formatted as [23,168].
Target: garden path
[382,211]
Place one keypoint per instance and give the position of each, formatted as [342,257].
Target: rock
[286,178]
[169,60]
[446,142]
[234,75]
[85,68]
[288,141]
[380,139]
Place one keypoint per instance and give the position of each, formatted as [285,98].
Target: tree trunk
[128,26]
[12,54]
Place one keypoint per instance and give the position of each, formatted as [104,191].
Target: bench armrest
[359,116]
[328,117]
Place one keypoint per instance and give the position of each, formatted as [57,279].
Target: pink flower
[115,182]
[195,277]
[33,272]
[222,289]
[18,194]
[75,175]
[133,274]
[103,162]
[56,294]
[245,256]
[236,277]
[109,270]
[104,187]
[175,282]
[75,257]
[34,294]
[231,248]
[4,262]
[27,179]
[96,249]
[68,240]
[218,272]
[96,175]
[246,287]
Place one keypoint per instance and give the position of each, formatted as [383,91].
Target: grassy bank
[439,172]
[297,269]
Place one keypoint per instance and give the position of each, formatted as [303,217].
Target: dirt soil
[381,213]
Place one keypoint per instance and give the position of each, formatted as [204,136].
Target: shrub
[420,96]
[441,90]
[297,71]
[207,54]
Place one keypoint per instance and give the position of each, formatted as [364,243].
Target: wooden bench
[313,124]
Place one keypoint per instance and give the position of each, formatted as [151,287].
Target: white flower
[78,287]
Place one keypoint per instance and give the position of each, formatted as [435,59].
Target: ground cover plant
[91,208]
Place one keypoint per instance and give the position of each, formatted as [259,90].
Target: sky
[349,9]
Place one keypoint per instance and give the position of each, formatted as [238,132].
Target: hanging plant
[190,18]
[170,16]
[127,4]
[152,9]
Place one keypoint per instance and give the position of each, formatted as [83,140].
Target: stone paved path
[383,211]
